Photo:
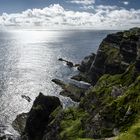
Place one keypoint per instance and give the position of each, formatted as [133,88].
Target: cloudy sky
[88,14]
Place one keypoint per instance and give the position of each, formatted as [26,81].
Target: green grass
[71,126]
[132,134]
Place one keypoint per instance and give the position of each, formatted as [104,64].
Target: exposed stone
[73,90]
[86,63]
[20,122]
[117,91]
[26,98]
[115,54]
[38,116]
[70,64]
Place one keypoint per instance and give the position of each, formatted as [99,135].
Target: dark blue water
[29,60]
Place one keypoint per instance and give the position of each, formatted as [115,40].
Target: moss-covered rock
[69,125]
[109,114]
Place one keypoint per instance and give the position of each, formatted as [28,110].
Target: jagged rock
[72,90]
[59,82]
[116,52]
[86,63]
[26,98]
[38,116]
[82,77]
[20,122]
[70,64]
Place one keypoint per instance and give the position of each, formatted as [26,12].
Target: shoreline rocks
[75,92]
[68,63]
[26,98]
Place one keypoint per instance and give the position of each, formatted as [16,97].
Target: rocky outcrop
[20,122]
[86,63]
[26,98]
[73,90]
[68,63]
[115,54]
[32,126]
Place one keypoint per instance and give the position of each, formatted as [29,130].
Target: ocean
[29,61]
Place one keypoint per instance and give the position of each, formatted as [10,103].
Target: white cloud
[87,7]
[125,2]
[55,16]
[83,2]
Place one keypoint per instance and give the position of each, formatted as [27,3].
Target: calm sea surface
[29,61]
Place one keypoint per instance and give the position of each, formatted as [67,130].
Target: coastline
[111,73]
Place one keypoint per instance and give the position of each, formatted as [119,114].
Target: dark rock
[20,122]
[82,77]
[60,59]
[128,49]
[76,65]
[38,116]
[26,98]
[138,64]
[114,38]
[73,89]
[3,137]
[115,54]
[86,63]
[59,82]
[70,64]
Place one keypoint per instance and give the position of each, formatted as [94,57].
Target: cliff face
[110,108]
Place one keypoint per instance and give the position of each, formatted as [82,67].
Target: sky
[70,14]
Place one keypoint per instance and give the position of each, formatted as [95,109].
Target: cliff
[108,110]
